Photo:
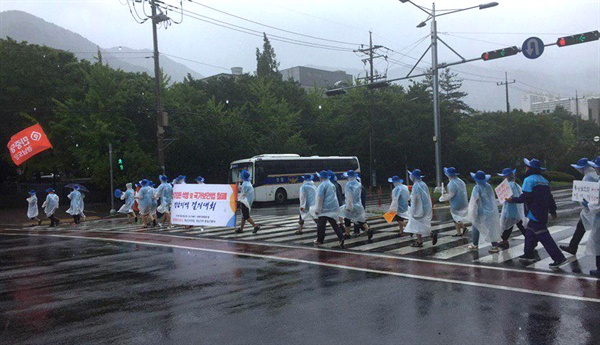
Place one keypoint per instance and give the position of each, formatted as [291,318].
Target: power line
[273,27]
[257,33]
[195,61]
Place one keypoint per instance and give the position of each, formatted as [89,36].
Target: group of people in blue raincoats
[147,198]
[414,210]
[327,204]
[51,204]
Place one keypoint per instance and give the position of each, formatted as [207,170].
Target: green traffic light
[581,38]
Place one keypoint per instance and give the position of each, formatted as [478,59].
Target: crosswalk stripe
[426,245]
[515,251]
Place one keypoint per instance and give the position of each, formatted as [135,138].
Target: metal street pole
[112,199]
[158,84]
[437,139]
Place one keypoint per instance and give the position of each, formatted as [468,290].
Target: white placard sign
[503,191]
[204,204]
[586,190]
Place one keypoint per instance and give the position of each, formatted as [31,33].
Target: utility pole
[370,52]
[505,83]
[158,84]
[157,15]
[577,114]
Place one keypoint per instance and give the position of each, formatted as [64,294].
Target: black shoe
[239,230]
[569,250]
[434,238]
[256,229]
[503,244]
[558,264]
[39,222]
[347,236]
[342,244]
[136,219]
[369,234]
[526,259]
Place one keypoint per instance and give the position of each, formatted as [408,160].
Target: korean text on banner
[586,190]
[28,143]
[503,191]
[204,204]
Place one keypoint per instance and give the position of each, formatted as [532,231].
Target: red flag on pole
[28,143]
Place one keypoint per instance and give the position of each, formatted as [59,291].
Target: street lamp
[434,65]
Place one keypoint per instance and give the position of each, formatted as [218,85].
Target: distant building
[235,72]
[594,109]
[540,104]
[316,78]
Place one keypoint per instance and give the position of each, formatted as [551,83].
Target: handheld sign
[586,190]
[503,191]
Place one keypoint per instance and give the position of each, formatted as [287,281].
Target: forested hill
[22,26]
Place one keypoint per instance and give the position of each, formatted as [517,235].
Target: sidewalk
[18,216]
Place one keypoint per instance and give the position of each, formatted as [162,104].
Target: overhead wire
[272,27]
[257,33]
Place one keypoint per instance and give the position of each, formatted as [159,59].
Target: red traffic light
[578,38]
[500,53]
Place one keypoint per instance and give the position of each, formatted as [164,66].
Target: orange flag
[28,143]
[389,217]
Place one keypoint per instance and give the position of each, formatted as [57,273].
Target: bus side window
[260,174]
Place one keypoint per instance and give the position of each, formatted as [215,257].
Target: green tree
[267,65]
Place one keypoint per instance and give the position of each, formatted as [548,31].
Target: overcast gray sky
[109,23]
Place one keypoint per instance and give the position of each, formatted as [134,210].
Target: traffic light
[500,53]
[579,38]
[121,165]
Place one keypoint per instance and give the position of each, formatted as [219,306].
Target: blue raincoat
[512,213]
[483,212]
[419,220]
[247,195]
[457,195]
[165,193]
[353,209]
[399,204]
[32,207]
[76,203]
[129,201]
[51,204]
[327,203]
[308,198]
[145,200]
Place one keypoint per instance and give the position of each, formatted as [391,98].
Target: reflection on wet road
[82,291]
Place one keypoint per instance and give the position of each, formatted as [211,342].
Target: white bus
[277,177]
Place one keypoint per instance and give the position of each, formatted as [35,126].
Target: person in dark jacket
[539,202]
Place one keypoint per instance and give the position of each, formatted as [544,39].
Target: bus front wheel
[280,196]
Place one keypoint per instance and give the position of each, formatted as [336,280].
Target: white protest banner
[586,190]
[503,191]
[204,204]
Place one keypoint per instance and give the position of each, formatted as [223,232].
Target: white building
[540,103]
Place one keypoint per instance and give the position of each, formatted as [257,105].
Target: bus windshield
[236,170]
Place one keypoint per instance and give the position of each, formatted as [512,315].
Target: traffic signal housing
[578,38]
[500,53]
[121,164]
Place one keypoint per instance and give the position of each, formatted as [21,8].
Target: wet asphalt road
[80,291]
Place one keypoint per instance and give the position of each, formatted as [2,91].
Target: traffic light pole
[112,199]
[437,139]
